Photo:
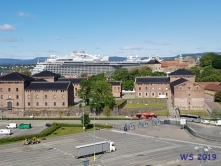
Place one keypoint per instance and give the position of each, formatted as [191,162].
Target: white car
[206,122]
[128,117]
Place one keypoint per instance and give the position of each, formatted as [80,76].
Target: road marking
[168,139]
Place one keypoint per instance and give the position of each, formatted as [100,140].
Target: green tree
[217,96]
[195,70]
[84,75]
[206,60]
[101,96]
[22,70]
[216,62]
[216,113]
[107,111]
[144,71]
[128,85]
[121,74]
[85,120]
[157,73]
[85,90]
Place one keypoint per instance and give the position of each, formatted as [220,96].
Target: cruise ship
[78,63]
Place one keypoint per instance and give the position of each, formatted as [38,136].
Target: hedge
[67,119]
[47,132]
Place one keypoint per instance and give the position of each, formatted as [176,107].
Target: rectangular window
[0,89]
[63,103]
[46,103]
[54,103]
[17,97]
[17,104]
[16,89]
[28,103]
[139,94]
[9,89]
[1,96]
[46,96]
[139,88]
[37,104]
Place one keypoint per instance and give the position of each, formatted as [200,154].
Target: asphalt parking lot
[37,127]
[141,147]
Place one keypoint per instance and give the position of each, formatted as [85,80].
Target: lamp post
[94,135]
[205,152]
[83,109]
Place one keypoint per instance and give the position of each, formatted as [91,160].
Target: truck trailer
[90,149]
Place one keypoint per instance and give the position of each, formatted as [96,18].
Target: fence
[203,136]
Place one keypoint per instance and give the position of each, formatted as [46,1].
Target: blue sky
[37,28]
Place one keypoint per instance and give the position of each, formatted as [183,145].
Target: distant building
[181,63]
[180,86]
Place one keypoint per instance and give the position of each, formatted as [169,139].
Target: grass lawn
[145,105]
[219,103]
[194,112]
[68,130]
[163,112]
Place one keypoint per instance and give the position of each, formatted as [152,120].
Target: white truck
[217,123]
[5,131]
[11,126]
[90,149]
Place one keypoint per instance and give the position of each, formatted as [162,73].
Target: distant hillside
[10,61]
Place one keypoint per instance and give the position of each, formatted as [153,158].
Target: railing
[203,136]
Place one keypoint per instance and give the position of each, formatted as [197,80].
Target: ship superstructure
[78,63]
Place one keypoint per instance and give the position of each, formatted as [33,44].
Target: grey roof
[148,80]
[115,83]
[72,80]
[181,72]
[46,74]
[153,61]
[40,80]
[48,86]
[179,81]
[16,77]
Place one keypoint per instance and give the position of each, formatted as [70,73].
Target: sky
[40,28]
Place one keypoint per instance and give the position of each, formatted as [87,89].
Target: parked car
[48,124]
[128,117]
[217,123]
[206,122]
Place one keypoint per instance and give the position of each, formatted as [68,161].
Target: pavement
[152,146]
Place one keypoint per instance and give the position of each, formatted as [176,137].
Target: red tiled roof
[173,63]
[213,87]
[208,83]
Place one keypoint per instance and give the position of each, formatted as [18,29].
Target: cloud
[200,48]
[23,14]
[154,43]
[6,39]
[7,27]
[152,49]
[57,38]
[131,48]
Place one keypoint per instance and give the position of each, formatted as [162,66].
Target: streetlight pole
[94,137]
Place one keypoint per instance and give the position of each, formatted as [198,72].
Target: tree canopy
[206,60]
[216,62]
[217,96]
[22,70]
[98,92]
